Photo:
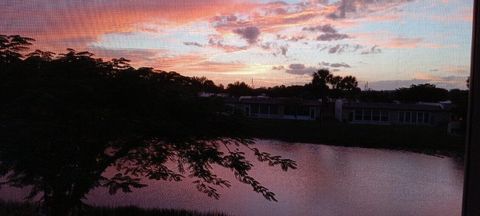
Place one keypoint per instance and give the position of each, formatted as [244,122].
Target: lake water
[329,181]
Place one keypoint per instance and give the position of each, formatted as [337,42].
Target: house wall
[405,117]
[367,116]
[275,111]
[339,110]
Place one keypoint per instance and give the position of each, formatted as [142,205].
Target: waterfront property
[430,114]
[275,108]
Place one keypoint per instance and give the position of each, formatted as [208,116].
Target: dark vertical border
[471,192]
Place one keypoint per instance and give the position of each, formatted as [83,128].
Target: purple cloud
[332,37]
[329,33]
[339,48]
[338,65]
[321,28]
[192,44]
[373,50]
[218,43]
[300,69]
[343,7]
[249,33]
[291,38]
[284,50]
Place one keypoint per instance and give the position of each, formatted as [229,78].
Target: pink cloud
[216,67]
[188,64]
[404,42]
[194,64]
[385,39]
[79,23]
[57,25]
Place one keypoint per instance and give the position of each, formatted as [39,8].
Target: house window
[358,115]
[384,116]
[254,108]
[367,115]
[303,110]
[376,115]
[290,110]
[263,109]
[274,109]
[427,118]
[420,117]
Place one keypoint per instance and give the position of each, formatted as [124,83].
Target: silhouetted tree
[319,84]
[423,92]
[290,91]
[460,100]
[65,119]
[348,83]
[335,82]
[324,85]
[205,85]
[349,87]
[11,46]
[238,89]
[377,96]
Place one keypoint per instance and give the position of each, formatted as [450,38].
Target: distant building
[275,108]
[209,94]
[430,114]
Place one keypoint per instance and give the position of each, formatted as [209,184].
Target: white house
[276,108]
[392,113]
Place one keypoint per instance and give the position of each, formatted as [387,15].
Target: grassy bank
[28,209]
[423,139]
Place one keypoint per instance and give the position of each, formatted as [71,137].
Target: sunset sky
[387,43]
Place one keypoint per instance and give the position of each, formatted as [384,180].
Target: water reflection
[329,181]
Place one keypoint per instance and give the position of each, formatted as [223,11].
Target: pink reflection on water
[329,181]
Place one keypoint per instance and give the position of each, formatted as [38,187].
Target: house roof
[396,106]
[279,100]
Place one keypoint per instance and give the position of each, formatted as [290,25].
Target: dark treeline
[325,85]
[65,118]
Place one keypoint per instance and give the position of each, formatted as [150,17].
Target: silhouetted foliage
[377,96]
[460,99]
[423,92]
[319,84]
[289,91]
[324,85]
[65,119]
[11,45]
[205,85]
[238,89]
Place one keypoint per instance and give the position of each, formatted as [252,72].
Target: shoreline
[13,208]
[418,139]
